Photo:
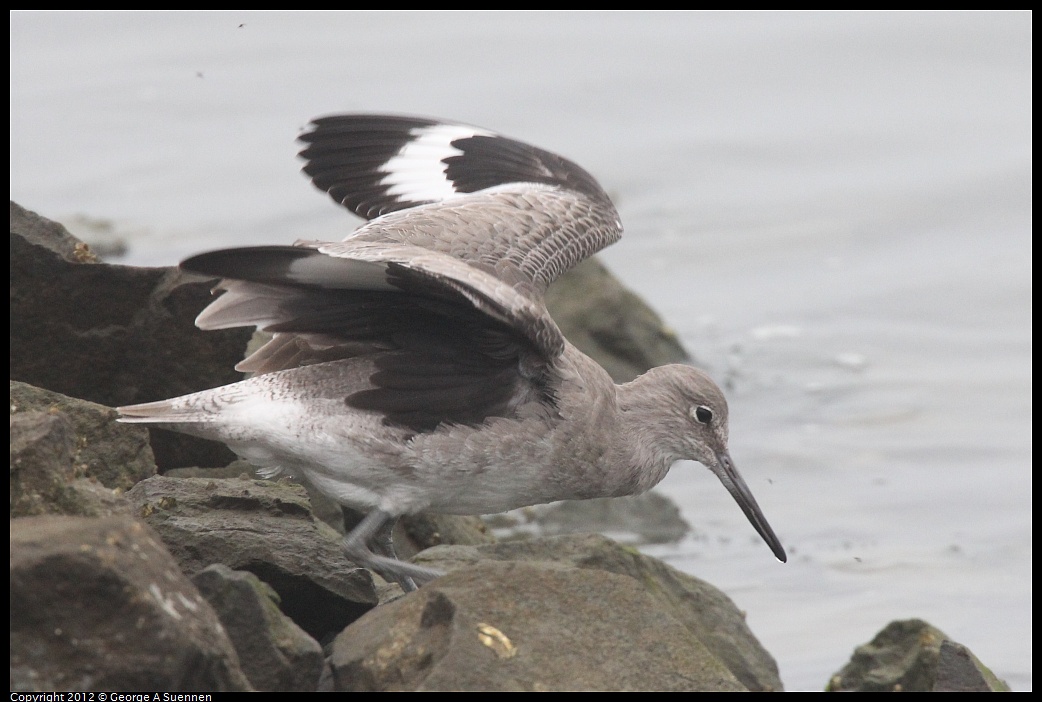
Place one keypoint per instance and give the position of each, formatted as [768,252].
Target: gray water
[833,210]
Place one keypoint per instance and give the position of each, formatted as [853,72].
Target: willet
[414,366]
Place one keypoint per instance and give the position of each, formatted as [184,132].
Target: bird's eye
[703,414]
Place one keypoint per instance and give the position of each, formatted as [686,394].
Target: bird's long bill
[731,479]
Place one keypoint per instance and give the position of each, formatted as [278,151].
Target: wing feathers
[440,294]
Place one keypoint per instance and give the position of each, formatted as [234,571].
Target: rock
[637,520]
[958,670]
[276,654]
[100,605]
[706,613]
[611,324]
[265,528]
[69,456]
[111,334]
[532,626]
[117,456]
[45,478]
[906,657]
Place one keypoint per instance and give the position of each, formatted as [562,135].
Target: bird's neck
[642,434]
[623,458]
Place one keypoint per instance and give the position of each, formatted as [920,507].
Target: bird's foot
[375,529]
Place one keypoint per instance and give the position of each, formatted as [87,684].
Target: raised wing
[519,212]
[448,343]
[441,290]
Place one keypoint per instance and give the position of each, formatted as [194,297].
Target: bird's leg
[383,546]
[375,529]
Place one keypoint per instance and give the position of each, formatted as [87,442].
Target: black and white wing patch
[375,164]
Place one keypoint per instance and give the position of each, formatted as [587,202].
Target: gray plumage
[414,366]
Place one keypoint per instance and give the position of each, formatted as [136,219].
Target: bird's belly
[456,482]
[353,458]
[477,471]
